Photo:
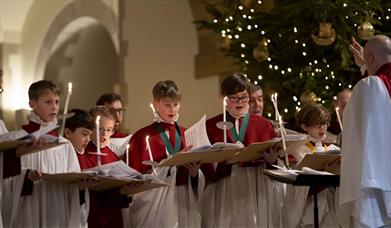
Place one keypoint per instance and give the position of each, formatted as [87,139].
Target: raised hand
[358,52]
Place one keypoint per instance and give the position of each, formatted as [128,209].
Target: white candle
[225,118]
[66,108]
[274,101]
[98,140]
[149,151]
[148,148]
[127,154]
[282,132]
[338,118]
[153,109]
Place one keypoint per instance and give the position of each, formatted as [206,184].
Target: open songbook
[13,139]
[118,145]
[322,163]
[217,152]
[254,151]
[110,176]
[204,152]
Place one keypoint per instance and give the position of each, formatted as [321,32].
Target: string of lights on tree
[299,49]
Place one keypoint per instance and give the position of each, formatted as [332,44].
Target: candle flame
[127,147]
[70,87]
[97,119]
[225,101]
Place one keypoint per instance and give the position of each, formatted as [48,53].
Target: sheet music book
[110,176]
[218,152]
[320,161]
[13,139]
[118,145]
[196,135]
[254,151]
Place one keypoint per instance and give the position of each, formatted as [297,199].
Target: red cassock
[259,129]
[139,153]
[105,207]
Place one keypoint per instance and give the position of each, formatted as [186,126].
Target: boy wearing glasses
[236,193]
[105,207]
[119,140]
[298,206]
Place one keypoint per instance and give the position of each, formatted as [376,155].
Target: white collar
[36,119]
[159,119]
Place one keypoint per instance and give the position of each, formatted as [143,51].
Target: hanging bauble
[224,43]
[308,98]
[366,30]
[261,52]
[326,34]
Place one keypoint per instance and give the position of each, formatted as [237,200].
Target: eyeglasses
[118,110]
[320,125]
[108,131]
[235,99]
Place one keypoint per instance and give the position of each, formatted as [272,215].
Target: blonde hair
[101,110]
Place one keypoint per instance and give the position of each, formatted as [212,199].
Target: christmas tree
[298,49]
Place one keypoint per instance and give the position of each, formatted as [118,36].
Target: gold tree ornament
[261,52]
[326,35]
[308,97]
[224,43]
[366,30]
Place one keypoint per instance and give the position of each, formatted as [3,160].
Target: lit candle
[127,154]
[225,118]
[274,101]
[149,151]
[66,108]
[338,118]
[98,140]
[153,109]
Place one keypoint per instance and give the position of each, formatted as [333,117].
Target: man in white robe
[365,190]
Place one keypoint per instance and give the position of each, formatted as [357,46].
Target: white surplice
[366,154]
[298,208]
[3,130]
[171,206]
[50,204]
[246,198]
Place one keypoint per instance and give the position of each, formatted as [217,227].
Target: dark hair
[38,88]
[253,88]
[166,89]
[80,119]
[234,83]
[108,98]
[312,114]
[102,111]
